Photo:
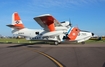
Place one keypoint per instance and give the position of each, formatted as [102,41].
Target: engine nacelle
[65,23]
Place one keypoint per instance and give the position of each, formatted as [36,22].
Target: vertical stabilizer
[16,22]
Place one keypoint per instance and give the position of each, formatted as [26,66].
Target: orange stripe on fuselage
[74,33]
[49,21]
[16,17]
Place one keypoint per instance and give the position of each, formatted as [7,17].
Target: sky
[88,15]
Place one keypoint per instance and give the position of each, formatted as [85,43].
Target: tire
[83,42]
[55,43]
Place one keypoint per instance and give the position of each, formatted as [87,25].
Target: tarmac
[45,55]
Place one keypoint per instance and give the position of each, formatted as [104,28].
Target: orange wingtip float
[73,33]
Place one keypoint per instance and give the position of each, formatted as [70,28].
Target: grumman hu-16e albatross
[53,30]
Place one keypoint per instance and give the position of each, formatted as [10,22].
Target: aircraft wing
[47,22]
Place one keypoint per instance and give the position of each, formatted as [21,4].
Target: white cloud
[61,3]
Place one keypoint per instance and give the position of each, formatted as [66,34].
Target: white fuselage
[83,36]
[38,34]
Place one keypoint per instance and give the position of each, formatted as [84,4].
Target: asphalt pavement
[44,55]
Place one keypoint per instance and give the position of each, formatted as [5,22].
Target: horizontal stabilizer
[16,22]
[19,26]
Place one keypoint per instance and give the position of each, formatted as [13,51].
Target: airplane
[53,30]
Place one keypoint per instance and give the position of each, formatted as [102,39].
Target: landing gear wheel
[55,43]
[83,42]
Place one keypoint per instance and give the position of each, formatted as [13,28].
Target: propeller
[70,22]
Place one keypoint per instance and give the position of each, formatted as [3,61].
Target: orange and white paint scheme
[53,30]
[16,21]
[73,33]
[47,21]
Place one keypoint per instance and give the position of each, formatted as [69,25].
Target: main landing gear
[82,42]
[56,43]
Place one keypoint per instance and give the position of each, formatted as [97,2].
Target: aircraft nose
[92,34]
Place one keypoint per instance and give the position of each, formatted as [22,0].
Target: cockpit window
[37,33]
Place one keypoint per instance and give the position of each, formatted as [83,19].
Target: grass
[8,40]
[95,41]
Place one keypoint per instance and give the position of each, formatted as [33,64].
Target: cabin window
[37,33]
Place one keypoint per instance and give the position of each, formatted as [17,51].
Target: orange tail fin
[16,21]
